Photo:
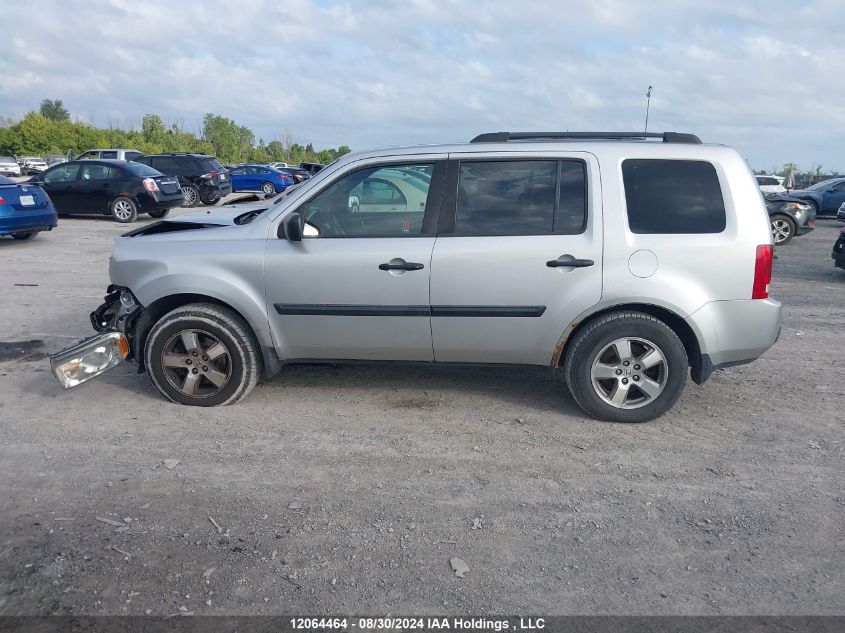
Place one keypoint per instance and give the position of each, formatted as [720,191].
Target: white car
[32,165]
[9,166]
[279,165]
[771,184]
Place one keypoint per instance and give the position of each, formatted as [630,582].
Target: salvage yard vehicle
[268,180]
[32,165]
[25,210]
[838,253]
[110,187]
[9,166]
[826,196]
[202,177]
[789,218]
[109,154]
[628,260]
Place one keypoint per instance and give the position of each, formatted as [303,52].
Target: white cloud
[765,78]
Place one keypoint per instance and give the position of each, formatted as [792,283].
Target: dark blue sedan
[826,196]
[25,209]
[260,178]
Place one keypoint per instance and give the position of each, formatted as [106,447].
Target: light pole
[647,104]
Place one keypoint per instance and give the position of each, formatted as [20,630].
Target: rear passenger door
[518,255]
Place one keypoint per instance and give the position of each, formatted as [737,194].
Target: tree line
[50,131]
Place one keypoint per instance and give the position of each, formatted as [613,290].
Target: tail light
[212,174]
[762,272]
[2,200]
[150,184]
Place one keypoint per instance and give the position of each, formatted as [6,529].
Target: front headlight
[89,359]
[797,207]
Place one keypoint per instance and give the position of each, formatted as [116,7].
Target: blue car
[260,178]
[25,209]
[826,196]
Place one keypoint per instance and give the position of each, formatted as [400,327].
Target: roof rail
[504,137]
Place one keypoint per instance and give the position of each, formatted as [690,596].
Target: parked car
[770,184]
[9,166]
[55,160]
[202,177]
[298,174]
[25,209]
[260,178]
[838,253]
[789,218]
[840,215]
[110,154]
[31,165]
[521,254]
[311,168]
[279,165]
[110,187]
[826,196]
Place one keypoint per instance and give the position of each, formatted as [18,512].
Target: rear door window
[109,154]
[673,196]
[521,197]
[96,171]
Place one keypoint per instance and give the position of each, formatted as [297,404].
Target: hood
[212,218]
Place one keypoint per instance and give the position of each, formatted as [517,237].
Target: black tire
[595,338]
[209,323]
[190,196]
[268,188]
[210,201]
[123,209]
[159,213]
[783,228]
[24,236]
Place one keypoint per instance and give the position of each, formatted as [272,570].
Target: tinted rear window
[673,196]
[521,197]
[210,163]
[139,169]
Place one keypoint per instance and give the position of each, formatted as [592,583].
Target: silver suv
[626,260]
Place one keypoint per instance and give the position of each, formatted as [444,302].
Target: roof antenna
[647,104]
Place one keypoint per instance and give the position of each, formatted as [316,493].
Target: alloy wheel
[189,195]
[629,373]
[196,363]
[781,230]
[123,210]
[268,188]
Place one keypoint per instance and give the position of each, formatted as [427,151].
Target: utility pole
[647,104]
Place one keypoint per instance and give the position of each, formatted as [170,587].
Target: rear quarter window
[673,196]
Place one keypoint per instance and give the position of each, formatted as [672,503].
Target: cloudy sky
[766,77]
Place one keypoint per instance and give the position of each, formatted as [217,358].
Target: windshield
[824,184]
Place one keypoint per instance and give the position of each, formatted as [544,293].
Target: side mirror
[291,227]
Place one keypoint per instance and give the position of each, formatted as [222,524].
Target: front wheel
[783,229]
[626,367]
[124,209]
[202,355]
[268,188]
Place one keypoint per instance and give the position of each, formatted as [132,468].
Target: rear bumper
[151,201]
[26,221]
[734,332]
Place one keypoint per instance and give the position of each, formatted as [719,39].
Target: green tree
[153,129]
[54,110]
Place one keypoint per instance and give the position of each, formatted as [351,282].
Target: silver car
[9,166]
[629,261]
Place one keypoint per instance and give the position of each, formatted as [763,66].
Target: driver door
[360,288]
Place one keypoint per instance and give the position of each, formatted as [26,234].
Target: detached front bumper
[115,322]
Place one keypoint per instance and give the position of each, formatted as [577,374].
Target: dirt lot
[347,489]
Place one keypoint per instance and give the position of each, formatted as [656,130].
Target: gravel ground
[348,489]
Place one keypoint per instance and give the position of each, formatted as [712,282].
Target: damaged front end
[115,322]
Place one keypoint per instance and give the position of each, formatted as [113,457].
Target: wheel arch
[270,363]
[677,323]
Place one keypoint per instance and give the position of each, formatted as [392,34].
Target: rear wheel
[626,367]
[783,229]
[159,213]
[202,355]
[268,188]
[24,236]
[124,209]
[190,196]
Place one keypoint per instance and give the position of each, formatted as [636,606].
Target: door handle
[569,261]
[403,266]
